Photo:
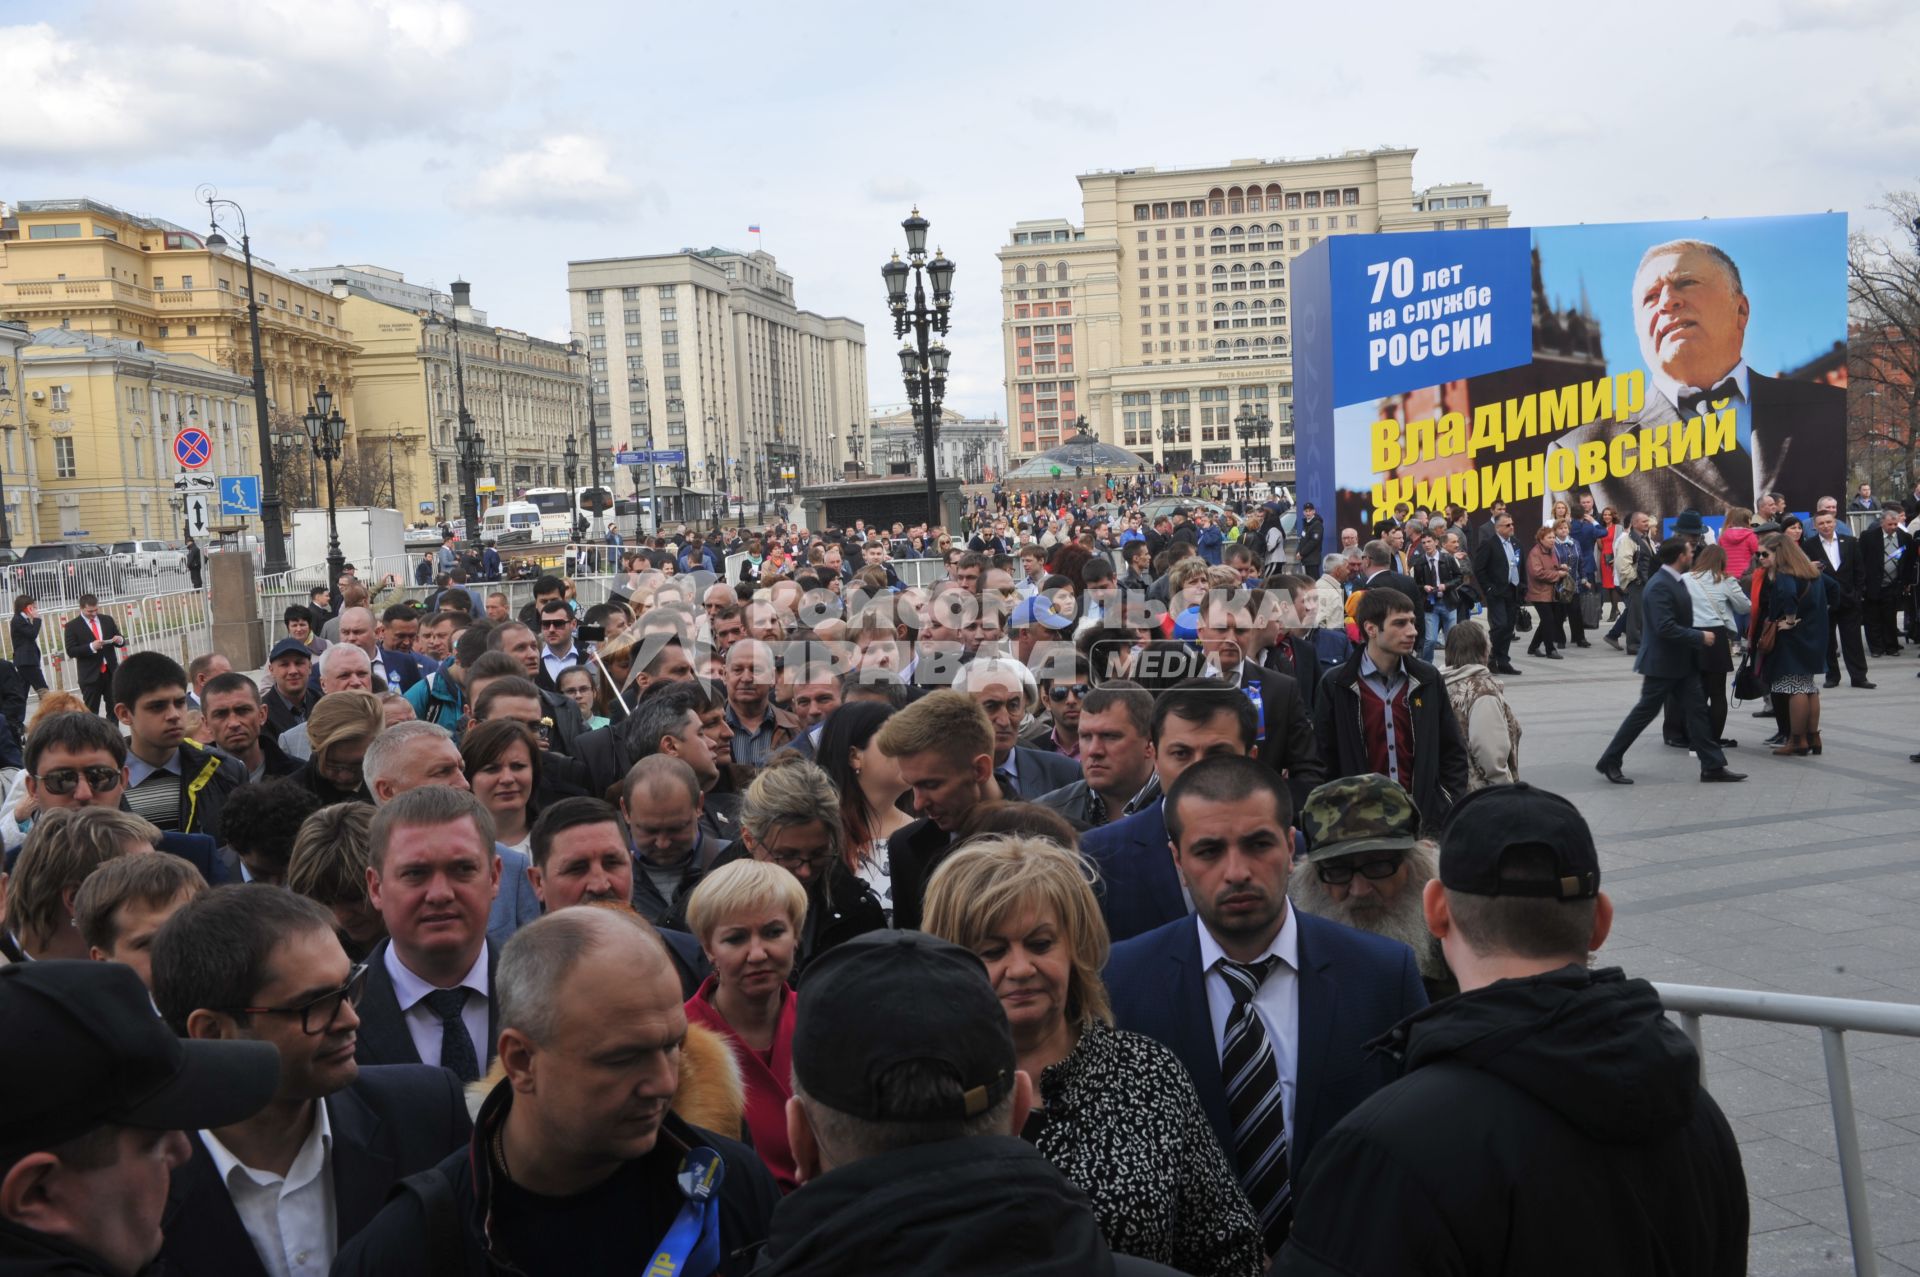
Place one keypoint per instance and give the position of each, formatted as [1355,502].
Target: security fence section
[179,625]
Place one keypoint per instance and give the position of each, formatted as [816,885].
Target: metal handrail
[1835,1018]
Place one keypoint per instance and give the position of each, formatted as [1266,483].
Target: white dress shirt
[1277,1003]
[290,1220]
[1829,548]
[1673,391]
[410,991]
[555,662]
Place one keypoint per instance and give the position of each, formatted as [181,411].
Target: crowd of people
[1133,896]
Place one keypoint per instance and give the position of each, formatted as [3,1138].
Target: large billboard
[1659,366]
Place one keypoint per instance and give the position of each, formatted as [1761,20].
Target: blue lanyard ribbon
[691,1247]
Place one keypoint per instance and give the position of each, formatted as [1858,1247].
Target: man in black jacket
[174,782]
[1387,711]
[576,1152]
[1886,569]
[1284,737]
[1311,546]
[332,1125]
[907,1131]
[93,644]
[1499,570]
[1838,559]
[1541,1061]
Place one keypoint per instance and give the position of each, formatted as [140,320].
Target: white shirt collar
[1284,946]
[409,989]
[1673,390]
[308,1164]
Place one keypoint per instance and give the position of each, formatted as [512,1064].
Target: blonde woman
[340,729]
[748,916]
[1113,1110]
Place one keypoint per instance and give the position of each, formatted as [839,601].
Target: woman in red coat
[1610,520]
[747,915]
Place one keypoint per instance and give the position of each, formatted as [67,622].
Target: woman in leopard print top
[1114,1111]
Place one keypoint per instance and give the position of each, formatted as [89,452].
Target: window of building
[63,463]
[193,330]
[61,230]
[668,315]
[1141,212]
[666,292]
[593,296]
[670,338]
[596,319]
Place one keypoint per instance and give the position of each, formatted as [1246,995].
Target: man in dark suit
[1691,313]
[1380,567]
[1283,730]
[93,645]
[1839,560]
[432,875]
[399,630]
[1313,539]
[1269,1009]
[1669,664]
[306,1173]
[1020,772]
[943,744]
[1498,571]
[1886,571]
[1138,887]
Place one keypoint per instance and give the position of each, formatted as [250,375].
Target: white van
[510,523]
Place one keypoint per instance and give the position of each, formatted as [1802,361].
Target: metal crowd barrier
[178,624]
[1835,1018]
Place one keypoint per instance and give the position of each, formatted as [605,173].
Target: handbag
[1748,681]
[1590,609]
[1523,620]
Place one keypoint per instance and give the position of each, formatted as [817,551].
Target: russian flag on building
[754,229]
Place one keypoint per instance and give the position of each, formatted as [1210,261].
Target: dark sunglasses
[1060,691]
[61,781]
[554,625]
[1338,874]
[318,1014]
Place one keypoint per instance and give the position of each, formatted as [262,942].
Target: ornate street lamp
[923,362]
[326,430]
[272,531]
[572,455]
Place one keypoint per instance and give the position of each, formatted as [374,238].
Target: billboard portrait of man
[1691,314]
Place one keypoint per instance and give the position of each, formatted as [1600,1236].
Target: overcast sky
[497,141]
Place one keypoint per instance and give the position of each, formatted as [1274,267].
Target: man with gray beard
[1369,868]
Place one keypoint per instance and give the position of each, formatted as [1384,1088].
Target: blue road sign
[240,494]
[658,457]
[629,458]
[669,457]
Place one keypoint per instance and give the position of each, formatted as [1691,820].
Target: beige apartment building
[706,352]
[1165,309]
[86,428]
[526,395]
[116,275]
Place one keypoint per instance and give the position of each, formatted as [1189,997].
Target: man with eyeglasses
[72,760]
[1368,868]
[280,1191]
[557,650]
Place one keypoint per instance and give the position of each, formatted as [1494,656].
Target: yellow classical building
[89,447]
[112,274]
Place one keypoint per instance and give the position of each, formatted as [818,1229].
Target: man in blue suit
[1138,887]
[309,1171]
[1269,1009]
[399,630]
[1669,665]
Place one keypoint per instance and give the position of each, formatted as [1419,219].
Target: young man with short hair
[171,781]
[282,1190]
[292,691]
[943,744]
[94,644]
[1385,710]
[123,904]
[64,849]
[234,717]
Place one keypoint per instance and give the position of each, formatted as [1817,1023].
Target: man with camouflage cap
[1369,867]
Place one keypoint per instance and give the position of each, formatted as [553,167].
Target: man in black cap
[904,1122]
[100,1096]
[1542,1061]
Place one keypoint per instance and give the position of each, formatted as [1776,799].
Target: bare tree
[1883,363]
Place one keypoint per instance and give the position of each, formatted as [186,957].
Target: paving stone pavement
[1803,879]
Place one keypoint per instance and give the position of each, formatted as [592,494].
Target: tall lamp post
[572,456]
[326,428]
[465,438]
[923,362]
[854,446]
[739,489]
[272,532]
[1168,434]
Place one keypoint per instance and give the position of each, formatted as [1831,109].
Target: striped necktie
[1253,1102]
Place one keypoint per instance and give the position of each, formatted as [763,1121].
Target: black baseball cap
[1488,823]
[289,647]
[84,1048]
[893,997]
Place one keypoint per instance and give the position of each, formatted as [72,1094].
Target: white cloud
[229,75]
[566,172]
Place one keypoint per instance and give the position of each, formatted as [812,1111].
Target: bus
[561,509]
